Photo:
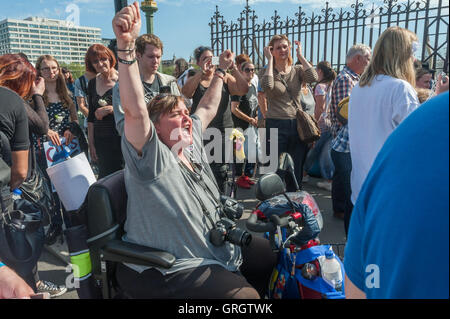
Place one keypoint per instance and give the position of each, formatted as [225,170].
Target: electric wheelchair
[106,215]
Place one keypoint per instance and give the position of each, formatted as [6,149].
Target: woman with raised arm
[195,88]
[282,82]
[172,194]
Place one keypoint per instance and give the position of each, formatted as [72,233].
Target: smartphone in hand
[215,60]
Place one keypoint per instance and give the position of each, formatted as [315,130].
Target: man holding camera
[173,200]
[149,51]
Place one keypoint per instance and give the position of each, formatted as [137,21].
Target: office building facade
[37,36]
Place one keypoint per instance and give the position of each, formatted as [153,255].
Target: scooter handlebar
[257,226]
[282,222]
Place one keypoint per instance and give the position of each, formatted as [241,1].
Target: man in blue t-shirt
[398,245]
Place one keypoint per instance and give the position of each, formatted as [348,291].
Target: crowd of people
[152,125]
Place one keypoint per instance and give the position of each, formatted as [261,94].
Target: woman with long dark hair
[321,150]
[61,112]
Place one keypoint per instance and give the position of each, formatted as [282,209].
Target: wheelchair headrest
[114,187]
[107,204]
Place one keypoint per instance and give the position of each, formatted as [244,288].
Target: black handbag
[21,237]
[21,231]
[36,189]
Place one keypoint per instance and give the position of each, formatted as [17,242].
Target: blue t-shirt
[398,242]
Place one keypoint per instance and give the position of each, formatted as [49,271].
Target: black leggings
[205,282]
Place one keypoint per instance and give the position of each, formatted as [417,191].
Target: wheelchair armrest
[121,251]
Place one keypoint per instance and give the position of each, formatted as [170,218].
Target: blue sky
[182,25]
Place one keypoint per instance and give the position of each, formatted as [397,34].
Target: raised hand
[226,59]
[268,53]
[127,25]
[38,86]
[299,49]
[207,66]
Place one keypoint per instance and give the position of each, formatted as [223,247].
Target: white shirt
[374,113]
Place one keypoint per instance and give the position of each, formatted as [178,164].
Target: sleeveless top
[223,117]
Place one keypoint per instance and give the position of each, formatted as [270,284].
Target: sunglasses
[248,70]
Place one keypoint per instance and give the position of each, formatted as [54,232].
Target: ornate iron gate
[329,34]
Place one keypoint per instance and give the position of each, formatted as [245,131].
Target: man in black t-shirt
[14,126]
[149,50]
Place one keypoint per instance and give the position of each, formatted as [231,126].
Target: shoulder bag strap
[290,95]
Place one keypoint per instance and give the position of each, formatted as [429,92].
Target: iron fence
[329,34]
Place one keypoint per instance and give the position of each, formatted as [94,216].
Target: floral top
[59,119]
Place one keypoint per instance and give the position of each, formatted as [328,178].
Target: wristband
[221,71]
[126,61]
[2,264]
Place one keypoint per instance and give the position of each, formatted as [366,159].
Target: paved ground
[53,263]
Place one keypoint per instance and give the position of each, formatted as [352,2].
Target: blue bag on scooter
[304,204]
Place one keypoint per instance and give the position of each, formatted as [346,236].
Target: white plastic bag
[72,179]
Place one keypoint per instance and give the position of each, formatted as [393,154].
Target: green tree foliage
[77,70]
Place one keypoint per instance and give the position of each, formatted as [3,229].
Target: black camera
[226,230]
[231,208]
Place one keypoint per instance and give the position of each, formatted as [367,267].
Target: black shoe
[52,234]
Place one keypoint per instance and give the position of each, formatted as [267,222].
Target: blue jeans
[289,142]
[322,153]
[341,188]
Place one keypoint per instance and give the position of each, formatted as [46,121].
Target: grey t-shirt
[163,211]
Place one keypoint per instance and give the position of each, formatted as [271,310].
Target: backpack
[342,110]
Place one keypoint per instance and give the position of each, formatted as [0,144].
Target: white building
[38,36]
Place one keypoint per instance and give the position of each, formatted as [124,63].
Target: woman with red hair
[104,140]
[17,74]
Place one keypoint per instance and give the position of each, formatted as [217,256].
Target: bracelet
[221,71]
[219,76]
[2,264]
[36,94]
[126,61]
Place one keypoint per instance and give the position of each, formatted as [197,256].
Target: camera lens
[239,237]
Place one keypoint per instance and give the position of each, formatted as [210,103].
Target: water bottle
[16,194]
[331,271]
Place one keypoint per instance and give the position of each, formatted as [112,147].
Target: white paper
[72,179]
